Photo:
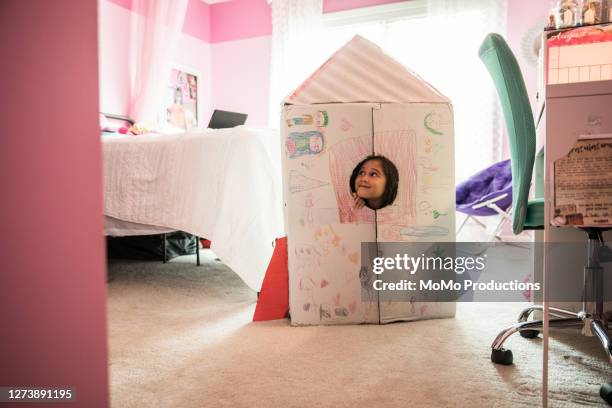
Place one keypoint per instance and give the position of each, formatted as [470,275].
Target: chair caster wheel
[501,356]
[529,334]
[605,392]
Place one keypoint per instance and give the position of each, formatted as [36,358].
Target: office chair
[529,214]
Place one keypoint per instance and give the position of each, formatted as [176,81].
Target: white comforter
[224,185]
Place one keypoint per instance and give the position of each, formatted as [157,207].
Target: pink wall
[197,17]
[114,32]
[235,34]
[522,16]
[241,77]
[235,27]
[240,19]
[330,6]
[241,48]
[53,319]
[197,20]
[218,41]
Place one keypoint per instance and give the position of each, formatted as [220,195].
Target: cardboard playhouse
[358,103]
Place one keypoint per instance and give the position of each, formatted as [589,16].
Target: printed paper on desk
[583,184]
[582,54]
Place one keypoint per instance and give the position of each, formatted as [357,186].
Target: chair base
[591,325]
[596,325]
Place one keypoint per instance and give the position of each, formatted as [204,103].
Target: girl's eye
[374,174]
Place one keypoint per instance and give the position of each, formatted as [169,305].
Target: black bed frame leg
[164,255]
[197,250]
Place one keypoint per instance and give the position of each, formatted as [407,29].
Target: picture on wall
[182,99]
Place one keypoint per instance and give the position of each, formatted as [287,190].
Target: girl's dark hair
[391,175]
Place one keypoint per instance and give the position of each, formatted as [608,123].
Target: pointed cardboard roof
[361,72]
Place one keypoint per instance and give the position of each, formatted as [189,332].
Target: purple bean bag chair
[485,185]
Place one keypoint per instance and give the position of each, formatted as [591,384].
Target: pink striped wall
[226,37]
[241,37]
[330,6]
[522,15]
[240,19]
[241,77]
[197,18]
[193,52]
[126,4]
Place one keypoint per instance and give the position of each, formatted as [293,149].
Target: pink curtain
[155,29]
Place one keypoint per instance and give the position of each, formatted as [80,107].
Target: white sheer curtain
[458,27]
[441,45]
[155,29]
[295,54]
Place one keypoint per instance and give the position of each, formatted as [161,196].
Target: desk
[570,110]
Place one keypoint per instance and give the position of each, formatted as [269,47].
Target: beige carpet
[182,336]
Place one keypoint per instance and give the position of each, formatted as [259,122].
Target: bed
[223,184]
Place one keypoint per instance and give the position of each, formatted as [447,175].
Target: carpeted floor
[182,336]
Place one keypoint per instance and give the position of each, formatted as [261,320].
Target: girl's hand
[358,202]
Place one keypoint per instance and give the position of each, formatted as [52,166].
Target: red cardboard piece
[273,301]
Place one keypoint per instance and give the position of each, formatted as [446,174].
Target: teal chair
[529,214]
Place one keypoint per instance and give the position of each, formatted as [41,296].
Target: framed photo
[591,12]
[567,13]
[182,98]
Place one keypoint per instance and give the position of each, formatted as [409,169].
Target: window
[439,41]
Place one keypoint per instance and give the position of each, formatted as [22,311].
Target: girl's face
[371,180]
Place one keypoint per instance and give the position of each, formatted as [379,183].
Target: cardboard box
[326,129]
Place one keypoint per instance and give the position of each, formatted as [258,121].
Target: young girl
[374,182]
